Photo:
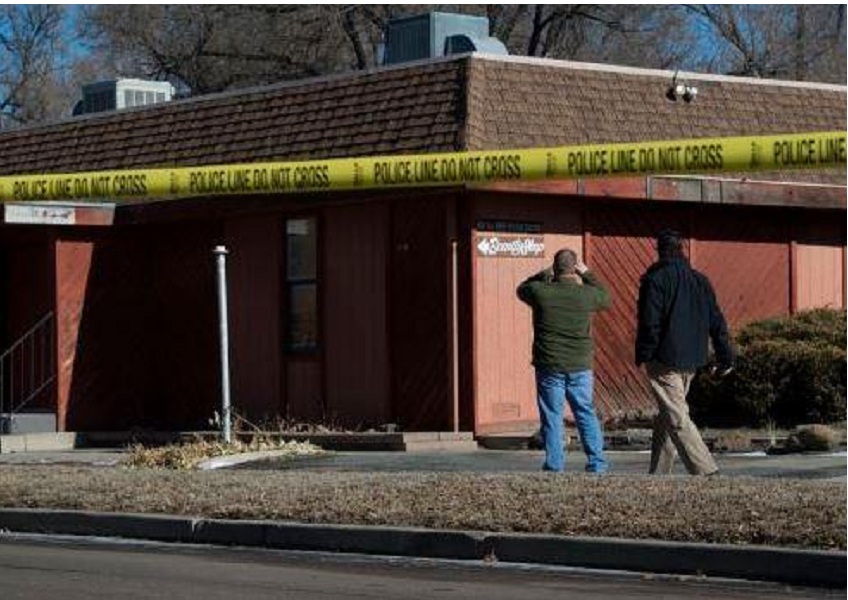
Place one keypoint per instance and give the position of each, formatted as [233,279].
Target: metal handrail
[28,366]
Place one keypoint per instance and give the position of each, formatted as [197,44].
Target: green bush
[789,370]
[820,326]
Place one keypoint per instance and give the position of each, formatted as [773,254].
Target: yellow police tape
[702,156]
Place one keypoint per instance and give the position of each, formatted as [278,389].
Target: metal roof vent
[461,43]
[122,93]
[438,34]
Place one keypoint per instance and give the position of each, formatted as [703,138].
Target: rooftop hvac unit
[122,93]
[438,34]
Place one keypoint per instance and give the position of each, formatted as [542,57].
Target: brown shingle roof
[415,108]
[475,103]
[522,103]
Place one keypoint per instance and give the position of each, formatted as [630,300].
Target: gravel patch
[739,510]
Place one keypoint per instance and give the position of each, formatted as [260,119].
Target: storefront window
[301,285]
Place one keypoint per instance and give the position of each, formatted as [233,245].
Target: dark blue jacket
[678,314]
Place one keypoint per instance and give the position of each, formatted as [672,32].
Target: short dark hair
[669,244]
[564,262]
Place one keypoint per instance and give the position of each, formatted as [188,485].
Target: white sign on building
[39,214]
[510,246]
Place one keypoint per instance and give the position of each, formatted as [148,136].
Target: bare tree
[820,43]
[643,35]
[209,48]
[29,68]
[213,48]
[779,41]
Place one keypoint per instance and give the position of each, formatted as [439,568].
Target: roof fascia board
[700,190]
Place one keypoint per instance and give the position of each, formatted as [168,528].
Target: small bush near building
[812,438]
[789,370]
[734,440]
[188,455]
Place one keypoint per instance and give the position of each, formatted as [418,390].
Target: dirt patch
[782,512]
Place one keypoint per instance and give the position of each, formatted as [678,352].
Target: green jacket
[562,319]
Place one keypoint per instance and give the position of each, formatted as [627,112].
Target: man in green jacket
[564,298]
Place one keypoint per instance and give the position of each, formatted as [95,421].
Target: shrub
[735,440]
[188,455]
[819,326]
[812,438]
[789,370]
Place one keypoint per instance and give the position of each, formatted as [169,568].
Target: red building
[342,303]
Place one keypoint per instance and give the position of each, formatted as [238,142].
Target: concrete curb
[784,565]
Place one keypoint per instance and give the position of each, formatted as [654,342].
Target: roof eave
[689,189]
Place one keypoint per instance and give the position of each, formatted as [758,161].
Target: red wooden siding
[185,379]
[102,308]
[142,306]
[254,272]
[819,267]
[620,248]
[355,329]
[73,261]
[820,278]
[745,253]
[303,389]
[505,396]
[137,319]
[503,340]
[27,267]
[420,313]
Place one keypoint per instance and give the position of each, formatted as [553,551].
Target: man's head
[564,262]
[669,244]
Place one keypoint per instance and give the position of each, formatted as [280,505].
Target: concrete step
[38,442]
[443,441]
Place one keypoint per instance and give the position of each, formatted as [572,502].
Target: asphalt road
[47,567]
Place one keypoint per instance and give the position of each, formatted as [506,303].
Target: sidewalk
[818,465]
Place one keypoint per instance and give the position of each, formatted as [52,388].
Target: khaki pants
[674,432]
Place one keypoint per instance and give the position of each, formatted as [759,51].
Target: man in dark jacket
[563,299]
[678,314]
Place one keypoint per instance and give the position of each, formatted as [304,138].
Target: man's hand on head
[580,267]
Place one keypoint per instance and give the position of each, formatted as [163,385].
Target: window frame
[291,284]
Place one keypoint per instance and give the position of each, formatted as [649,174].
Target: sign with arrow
[493,246]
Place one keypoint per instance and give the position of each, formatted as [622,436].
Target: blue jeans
[553,388]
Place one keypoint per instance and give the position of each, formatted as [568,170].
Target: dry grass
[734,440]
[189,455]
[719,510]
